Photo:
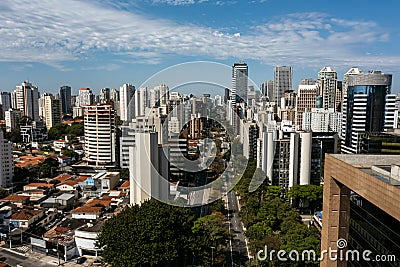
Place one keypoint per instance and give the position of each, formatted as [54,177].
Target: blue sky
[104,43]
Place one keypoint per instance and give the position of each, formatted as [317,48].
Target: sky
[105,43]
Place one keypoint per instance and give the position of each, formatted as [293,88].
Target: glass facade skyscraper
[364,106]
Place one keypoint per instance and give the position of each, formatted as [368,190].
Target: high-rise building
[65,95]
[148,168]
[267,88]
[322,120]
[12,117]
[85,97]
[6,162]
[5,100]
[100,139]
[140,101]
[114,98]
[367,107]
[104,96]
[240,74]
[126,105]
[27,97]
[327,78]
[52,111]
[282,82]
[306,100]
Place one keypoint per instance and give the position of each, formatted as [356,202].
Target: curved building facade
[100,139]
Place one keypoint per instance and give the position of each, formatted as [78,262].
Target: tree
[152,234]
[210,234]
[58,131]
[313,194]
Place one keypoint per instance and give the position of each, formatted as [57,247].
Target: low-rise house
[86,239]
[60,144]
[64,201]
[24,218]
[68,185]
[86,213]
[33,186]
[63,177]
[17,200]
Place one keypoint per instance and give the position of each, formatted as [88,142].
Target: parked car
[3,258]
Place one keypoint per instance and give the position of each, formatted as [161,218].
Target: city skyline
[100,44]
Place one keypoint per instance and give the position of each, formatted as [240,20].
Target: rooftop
[383,167]
[25,214]
[15,198]
[87,209]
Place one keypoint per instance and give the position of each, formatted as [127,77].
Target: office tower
[282,82]
[350,72]
[140,101]
[164,94]
[5,100]
[367,107]
[100,139]
[126,105]
[6,162]
[85,97]
[12,117]
[104,96]
[148,169]
[52,111]
[154,99]
[27,97]
[327,78]
[240,74]
[305,101]
[114,98]
[290,99]
[65,95]
[360,205]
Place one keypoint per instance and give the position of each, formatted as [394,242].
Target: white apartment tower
[127,107]
[100,139]
[27,97]
[52,111]
[327,78]
[148,168]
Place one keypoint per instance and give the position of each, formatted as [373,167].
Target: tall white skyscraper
[327,78]
[27,97]
[100,139]
[140,101]
[52,111]
[282,82]
[126,105]
[85,97]
[148,169]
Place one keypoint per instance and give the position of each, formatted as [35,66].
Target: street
[237,245]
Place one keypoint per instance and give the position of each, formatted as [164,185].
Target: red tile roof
[25,214]
[15,198]
[87,209]
[40,185]
[125,184]
[63,177]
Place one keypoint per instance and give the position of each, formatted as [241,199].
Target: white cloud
[57,32]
